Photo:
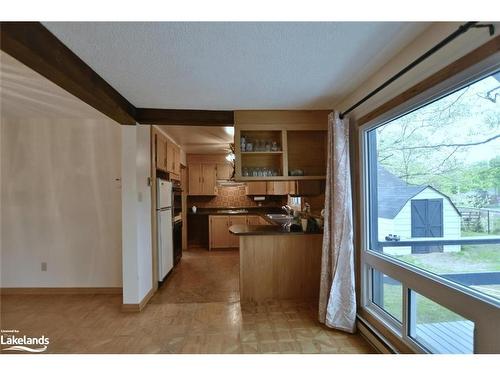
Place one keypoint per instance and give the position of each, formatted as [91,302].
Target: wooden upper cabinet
[202,179]
[280,145]
[161,152]
[194,179]
[277,187]
[177,160]
[209,178]
[224,171]
[256,188]
[170,157]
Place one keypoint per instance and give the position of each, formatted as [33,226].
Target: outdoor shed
[409,212]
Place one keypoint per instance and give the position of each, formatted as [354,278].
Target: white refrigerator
[165,241]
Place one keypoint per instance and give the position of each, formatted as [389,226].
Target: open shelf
[281,178]
[307,151]
[300,144]
[261,152]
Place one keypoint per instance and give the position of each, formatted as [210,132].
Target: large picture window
[433,200]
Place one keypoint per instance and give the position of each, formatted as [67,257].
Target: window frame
[482,309]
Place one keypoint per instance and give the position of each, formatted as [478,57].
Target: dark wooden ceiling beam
[186,117]
[36,47]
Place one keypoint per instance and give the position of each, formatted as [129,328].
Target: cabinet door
[170,157]
[253,220]
[256,188]
[277,187]
[234,241]
[292,187]
[195,179]
[161,152]
[177,160]
[263,221]
[219,231]
[224,171]
[209,173]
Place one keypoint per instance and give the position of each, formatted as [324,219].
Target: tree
[437,144]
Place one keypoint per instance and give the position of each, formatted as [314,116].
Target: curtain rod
[461,30]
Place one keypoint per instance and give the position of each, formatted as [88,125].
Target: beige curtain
[337,303]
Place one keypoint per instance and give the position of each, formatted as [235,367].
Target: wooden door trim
[472,58]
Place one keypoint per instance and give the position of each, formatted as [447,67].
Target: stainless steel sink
[240,211]
[280,218]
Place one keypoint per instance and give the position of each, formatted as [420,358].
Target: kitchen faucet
[287,209]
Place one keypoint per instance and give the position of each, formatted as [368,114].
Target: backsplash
[232,196]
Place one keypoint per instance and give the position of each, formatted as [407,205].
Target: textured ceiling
[201,139]
[25,93]
[229,65]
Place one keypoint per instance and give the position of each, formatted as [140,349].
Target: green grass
[472,258]
[427,310]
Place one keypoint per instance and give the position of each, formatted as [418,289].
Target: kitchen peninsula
[278,264]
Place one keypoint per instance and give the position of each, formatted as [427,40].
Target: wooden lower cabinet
[253,220]
[219,234]
[219,231]
[234,241]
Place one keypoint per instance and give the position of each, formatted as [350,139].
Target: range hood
[229,183]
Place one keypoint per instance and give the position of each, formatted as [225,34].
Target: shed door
[427,221]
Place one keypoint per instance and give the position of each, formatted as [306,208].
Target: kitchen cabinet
[253,220]
[224,171]
[168,155]
[177,160]
[277,187]
[202,179]
[270,187]
[219,231]
[234,241]
[219,225]
[257,220]
[290,144]
[161,152]
[256,188]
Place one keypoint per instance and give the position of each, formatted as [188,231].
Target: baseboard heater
[374,337]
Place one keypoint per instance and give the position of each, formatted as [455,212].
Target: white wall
[136,218]
[61,203]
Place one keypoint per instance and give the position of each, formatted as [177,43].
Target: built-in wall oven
[177,237]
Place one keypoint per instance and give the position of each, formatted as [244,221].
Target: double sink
[282,219]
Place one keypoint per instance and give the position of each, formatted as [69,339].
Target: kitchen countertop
[235,211]
[266,230]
